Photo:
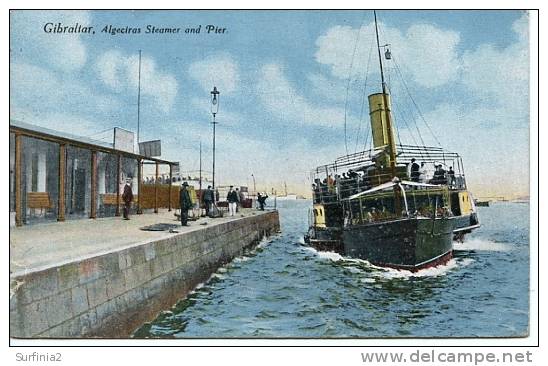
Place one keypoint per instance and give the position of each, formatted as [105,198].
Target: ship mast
[389,130]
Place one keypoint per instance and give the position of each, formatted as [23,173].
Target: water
[285,289]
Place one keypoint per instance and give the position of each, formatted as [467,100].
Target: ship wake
[355,265]
[478,244]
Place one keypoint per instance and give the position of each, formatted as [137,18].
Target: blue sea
[283,288]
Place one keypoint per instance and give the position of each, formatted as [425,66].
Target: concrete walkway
[36,247]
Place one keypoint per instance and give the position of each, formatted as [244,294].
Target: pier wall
[111,294]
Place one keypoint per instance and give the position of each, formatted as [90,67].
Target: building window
[77,183]
[12,179]
[40,180]
[107,182]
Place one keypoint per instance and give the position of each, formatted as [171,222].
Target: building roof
[68,136]
[85,142]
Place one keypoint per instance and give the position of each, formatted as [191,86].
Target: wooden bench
[39,200]
[109,199]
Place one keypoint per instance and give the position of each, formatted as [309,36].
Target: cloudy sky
[288,81]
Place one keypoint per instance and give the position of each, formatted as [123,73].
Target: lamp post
[254,186]
[215,97]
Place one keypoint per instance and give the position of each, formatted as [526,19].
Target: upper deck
[358,172]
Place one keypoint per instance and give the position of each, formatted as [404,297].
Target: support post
[139,186]
[62,173]
[93,210]
[118,177]
[156,188]
[170,186]
[18,181]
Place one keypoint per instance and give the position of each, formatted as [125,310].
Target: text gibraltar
[61,28]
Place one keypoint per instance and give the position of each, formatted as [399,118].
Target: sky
[288,80]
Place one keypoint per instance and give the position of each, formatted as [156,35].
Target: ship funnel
[378,114]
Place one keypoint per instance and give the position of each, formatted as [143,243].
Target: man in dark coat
[451,176]
[439,175]
[208,199]
[261,199]
[185,203]
[127,197]
[415,174]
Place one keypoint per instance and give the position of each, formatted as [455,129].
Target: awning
[392,184]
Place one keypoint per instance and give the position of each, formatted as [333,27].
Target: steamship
[376,205]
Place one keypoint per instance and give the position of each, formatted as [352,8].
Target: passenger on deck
[422,173]
[352,174]
[439,176]
[415,171]
[451,176]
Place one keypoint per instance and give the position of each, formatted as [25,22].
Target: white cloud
[333,89]
[218,70]
[238,156]
[281,98]
[493,147]
[121,72]
[64,51]
[46,90]
[426,52]
[500,76]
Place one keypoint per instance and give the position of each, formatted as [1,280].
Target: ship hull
[411,244]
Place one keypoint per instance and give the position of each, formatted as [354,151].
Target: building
[56,176]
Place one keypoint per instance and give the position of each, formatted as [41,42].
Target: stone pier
[105,277]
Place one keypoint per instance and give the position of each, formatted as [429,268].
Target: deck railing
[331,182]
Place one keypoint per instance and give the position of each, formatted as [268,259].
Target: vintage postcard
[282,174]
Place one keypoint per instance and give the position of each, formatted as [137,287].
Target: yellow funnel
[380,125]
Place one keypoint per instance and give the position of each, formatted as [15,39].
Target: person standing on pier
[185,203]
[261,199]
[241,198]
[232,199]
[127,197]
[208,199]
[239,203]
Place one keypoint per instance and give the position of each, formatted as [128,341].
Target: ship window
[424,204]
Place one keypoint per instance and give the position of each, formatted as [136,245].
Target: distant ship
[287,196]
[369,205]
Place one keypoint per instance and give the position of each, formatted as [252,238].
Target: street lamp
[254,186]
[215,97]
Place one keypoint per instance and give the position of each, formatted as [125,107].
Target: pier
[105,277]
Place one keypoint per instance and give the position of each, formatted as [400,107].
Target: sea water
[283,288]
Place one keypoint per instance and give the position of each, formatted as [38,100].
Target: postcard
[282,174]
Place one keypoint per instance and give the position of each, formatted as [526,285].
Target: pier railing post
[170,184]
[18,181]
[93,209]
[139,186]
[118,177]
[62,172]
[156,189]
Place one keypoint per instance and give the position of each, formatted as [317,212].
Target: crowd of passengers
[352,182]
